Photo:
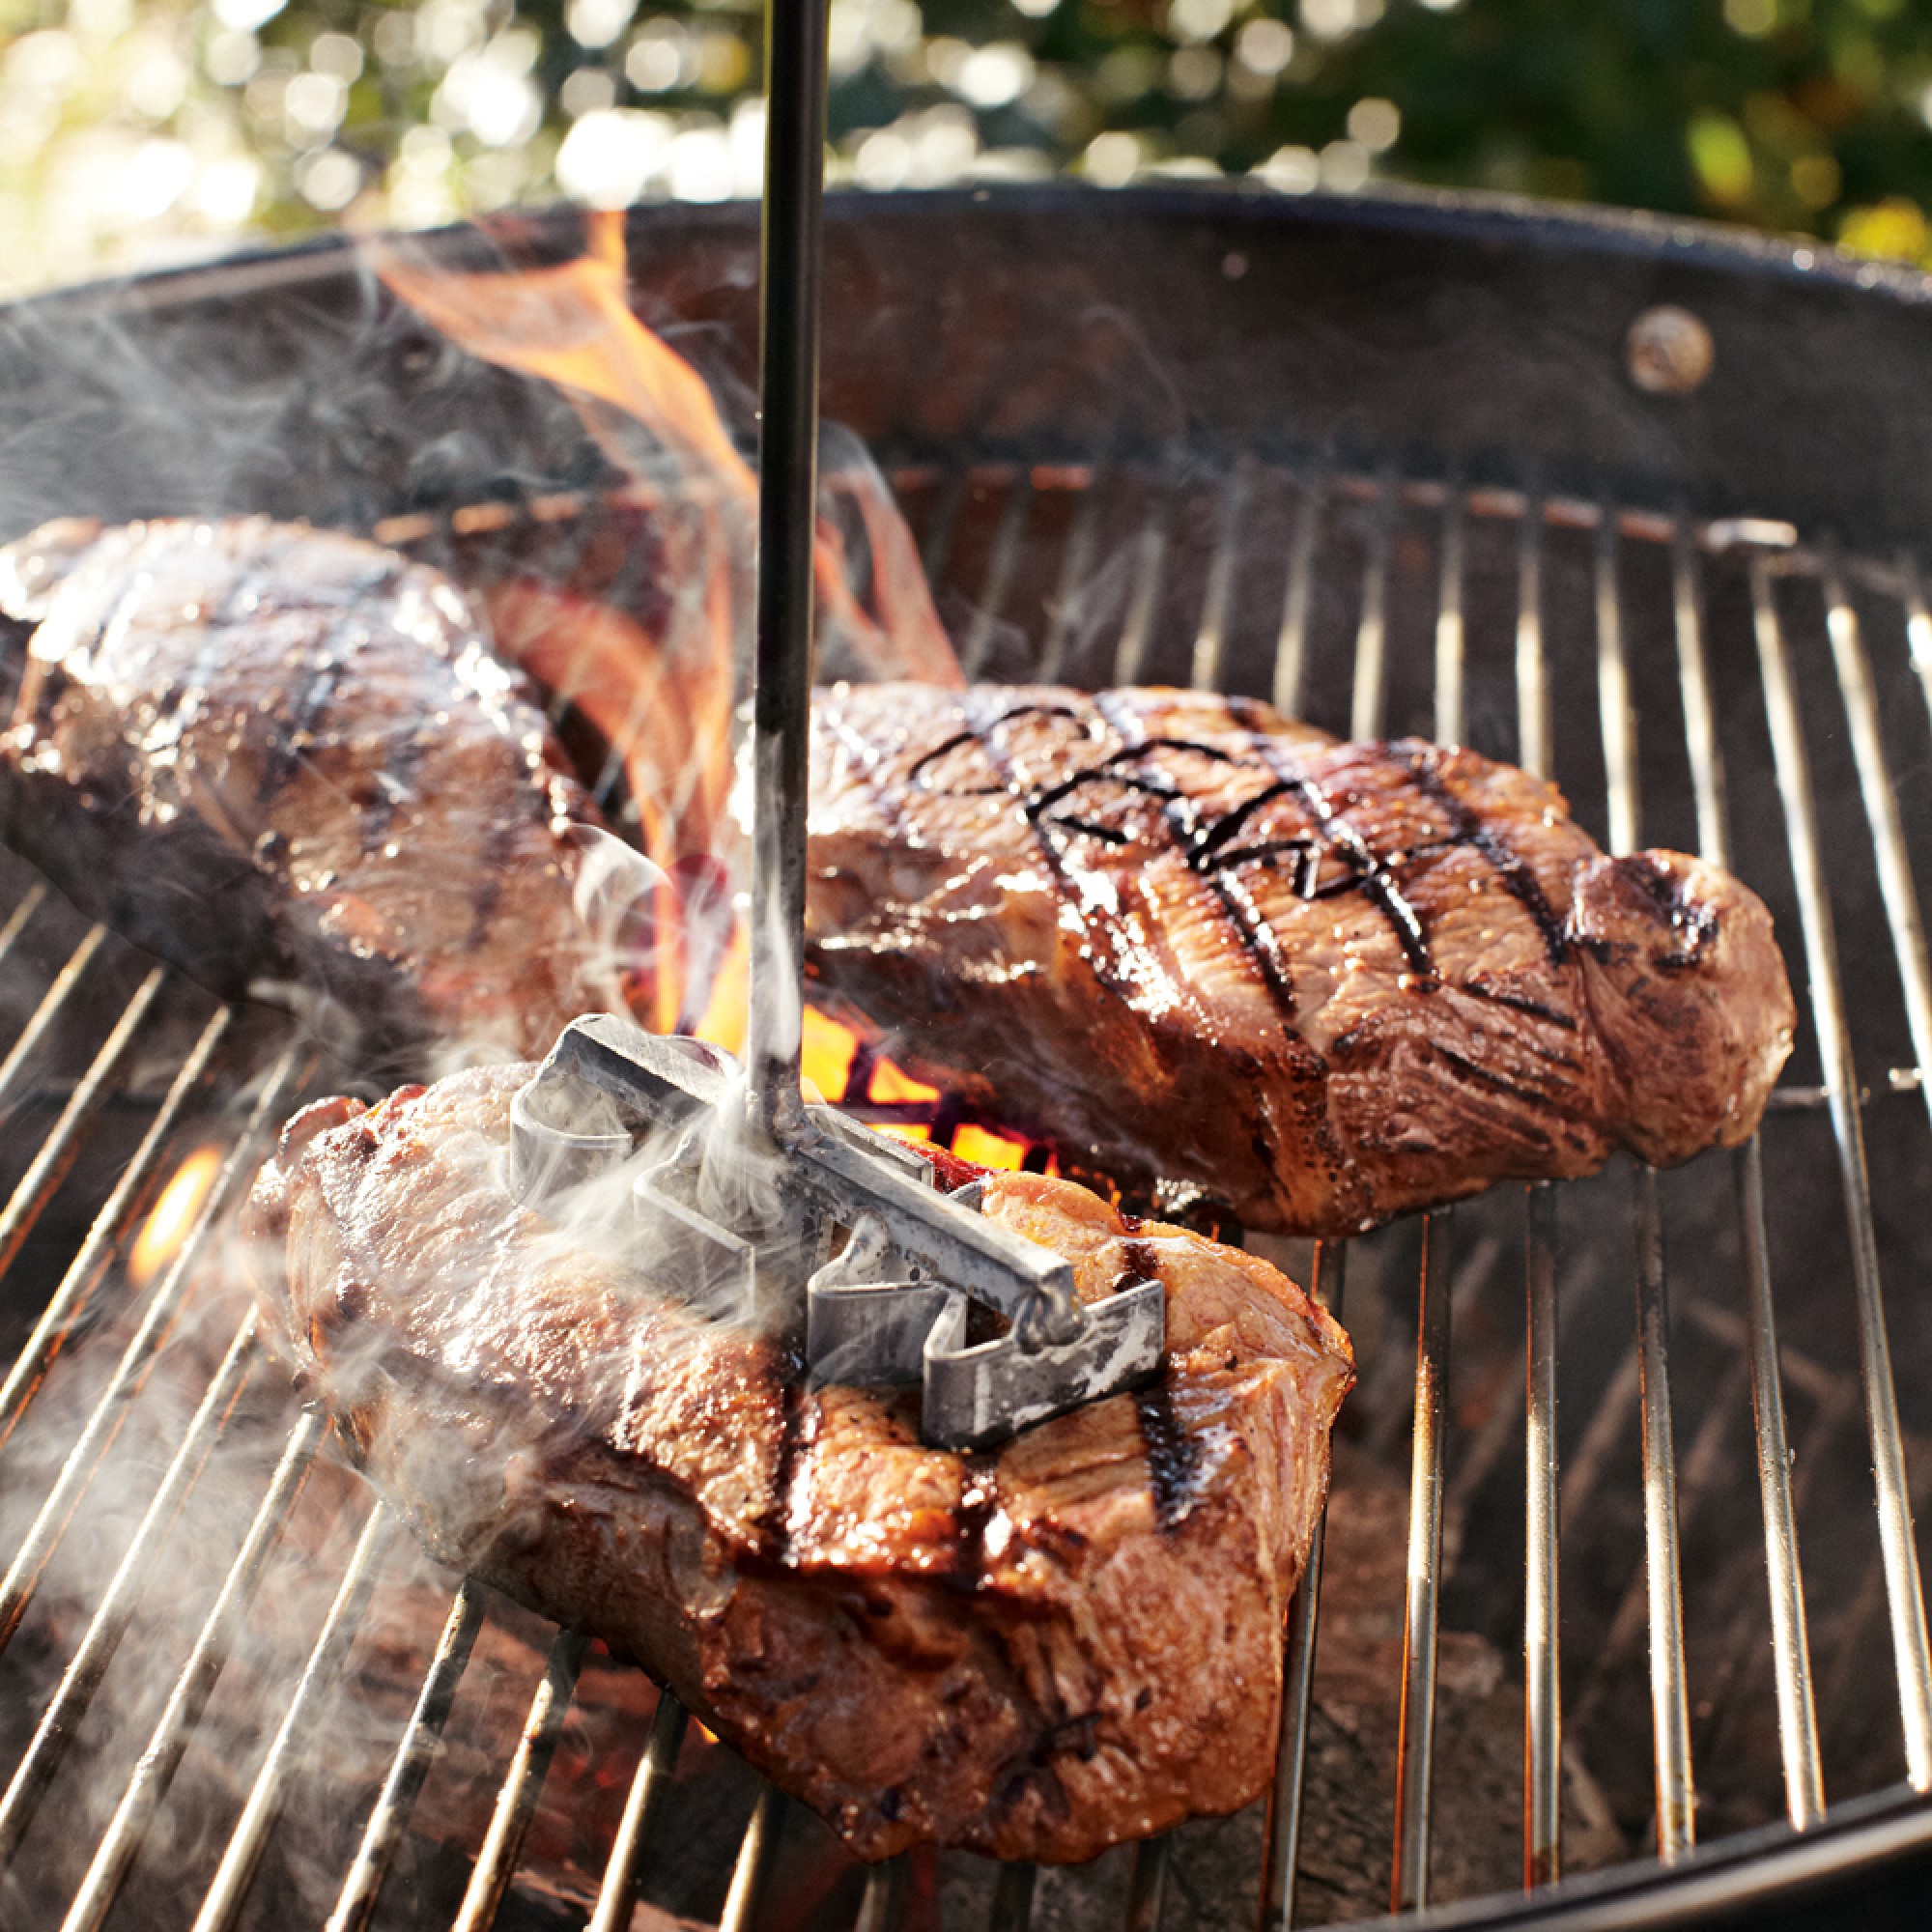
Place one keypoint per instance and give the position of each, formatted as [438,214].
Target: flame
[173,1216]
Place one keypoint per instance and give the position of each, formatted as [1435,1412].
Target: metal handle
[795,31]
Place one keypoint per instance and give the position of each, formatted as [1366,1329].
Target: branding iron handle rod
[793,217]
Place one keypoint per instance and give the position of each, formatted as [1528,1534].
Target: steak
[1326,982]
[1034,1651]
[266,750]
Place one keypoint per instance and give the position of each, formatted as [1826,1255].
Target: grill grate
[1370,601]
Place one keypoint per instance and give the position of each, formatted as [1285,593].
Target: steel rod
[49,1009]
[1450,642]
[879,1905]
[130,1372]
[409,1767]
[1541,1675]
[1211,638]
[938,545]
[105,1629]
[250,1837]
[642,1806]
[25,907]
[1281,1844]
[1917,628]
[1613,695]
[54,1154]
[755,1852]
[1905,1597]
[1532,683]
[999,575]
[1701,719]
[1408,1888]
[1291,649]
[1075,563]
[1791,1650]
[1144,598]
[1669,1699]
[76,1284]
[1881,802]
[522,1784]
[1012,1898]
[1365,710]
[1147,1891]
[790,273]
[195,1684]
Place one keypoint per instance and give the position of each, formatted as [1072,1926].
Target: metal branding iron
[742,1188]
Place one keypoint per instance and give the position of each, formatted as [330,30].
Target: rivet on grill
[1668,351]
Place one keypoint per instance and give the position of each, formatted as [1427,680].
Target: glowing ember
[174,1214]
[989,1147]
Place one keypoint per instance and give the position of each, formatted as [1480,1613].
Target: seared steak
[262,749]
[1325,982]
[1035,1653]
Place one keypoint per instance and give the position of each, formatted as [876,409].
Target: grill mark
[1497,1082]
[1509,864]
[505,830]
[1172,1456]
[347,634]
[379,812]
[1377,882]
[1521,1002]
[1117,941]
[1238,912]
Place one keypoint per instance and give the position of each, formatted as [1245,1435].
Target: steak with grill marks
[262,749]
[1327,983]
[1034,1651]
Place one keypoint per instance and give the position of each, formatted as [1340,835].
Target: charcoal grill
[1385,463]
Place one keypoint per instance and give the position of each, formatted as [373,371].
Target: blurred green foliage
[135,133]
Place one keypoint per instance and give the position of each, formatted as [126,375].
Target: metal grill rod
[755,1852]
[1282,1844]
[119,1601]
[1791,1650]
[1211,637]
[54,1154]
[1291,649]
[130,1373]
[1365,711]
[195,1684]
[1905,1596]
[1450,641]
[1408,1888]
[83,1272]
[618,1892]
[250,1837]
[522,1783]
[1532,683]
[1144,599]
[42,1536]
[999,574]
[1541,1676]
[1881,802]
[52,1003]
[1075,563]
[356,1903]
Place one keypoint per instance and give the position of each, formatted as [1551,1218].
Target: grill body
[1385,464]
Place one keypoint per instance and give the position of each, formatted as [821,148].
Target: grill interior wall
[1187,563]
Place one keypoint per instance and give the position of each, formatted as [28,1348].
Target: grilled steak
[263,750]
[1035,1653]
[1327,982]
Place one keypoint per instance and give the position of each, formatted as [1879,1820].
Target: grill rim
[1707,1881]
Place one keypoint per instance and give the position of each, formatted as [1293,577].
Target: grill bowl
[1385,462]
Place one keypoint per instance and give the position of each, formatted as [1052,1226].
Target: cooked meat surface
[1325,982]
[1034,1652]
[262,749]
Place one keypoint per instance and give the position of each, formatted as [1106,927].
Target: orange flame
[172,1218]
